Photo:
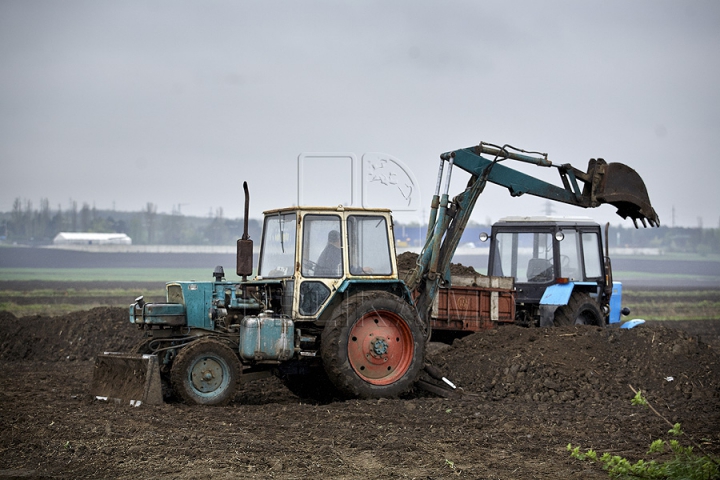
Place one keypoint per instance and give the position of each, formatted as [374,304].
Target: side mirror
[244,259]
[483,237]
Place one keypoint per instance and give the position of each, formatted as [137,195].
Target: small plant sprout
[685,464]
[639,400]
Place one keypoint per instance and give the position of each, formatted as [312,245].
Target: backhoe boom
[602,183]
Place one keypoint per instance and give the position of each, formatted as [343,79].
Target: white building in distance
[80,238]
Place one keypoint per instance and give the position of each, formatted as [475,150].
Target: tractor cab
[541,252]
[312,252]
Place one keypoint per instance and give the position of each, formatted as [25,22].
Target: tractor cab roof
[339,208]
[545,221]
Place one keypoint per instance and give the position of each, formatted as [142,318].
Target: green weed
[684,463]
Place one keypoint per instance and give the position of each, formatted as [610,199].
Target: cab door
[322,261]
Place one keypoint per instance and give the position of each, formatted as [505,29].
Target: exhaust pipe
[244,257]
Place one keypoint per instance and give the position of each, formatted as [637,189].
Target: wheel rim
[209,375]
[380,347]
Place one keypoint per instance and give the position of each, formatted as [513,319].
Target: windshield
[277,254]
[525,256]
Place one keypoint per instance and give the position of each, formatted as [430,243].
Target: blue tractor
[561,274]
[326,310]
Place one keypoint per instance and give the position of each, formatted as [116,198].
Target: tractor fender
[559,293]
[555,296]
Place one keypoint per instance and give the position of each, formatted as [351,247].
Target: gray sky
[176,103]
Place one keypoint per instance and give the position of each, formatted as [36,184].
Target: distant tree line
[29,225]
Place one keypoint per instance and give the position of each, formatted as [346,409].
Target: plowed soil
[527,393]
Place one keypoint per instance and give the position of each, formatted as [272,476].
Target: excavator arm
[613,183]
[602,183]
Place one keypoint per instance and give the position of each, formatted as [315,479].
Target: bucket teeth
[622,187]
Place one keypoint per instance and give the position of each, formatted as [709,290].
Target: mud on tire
[372,346]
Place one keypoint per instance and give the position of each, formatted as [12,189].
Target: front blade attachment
[127,378]
[622,187]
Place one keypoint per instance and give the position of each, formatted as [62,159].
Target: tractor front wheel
[580,310]
[206,372]
[372,346]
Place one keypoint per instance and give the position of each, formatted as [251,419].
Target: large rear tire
[372,346]
[206,372]
[580,310]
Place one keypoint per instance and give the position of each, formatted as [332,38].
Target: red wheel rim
[380,347]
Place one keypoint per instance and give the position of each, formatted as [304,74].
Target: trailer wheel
[206,372]
[372,346]
[580,310]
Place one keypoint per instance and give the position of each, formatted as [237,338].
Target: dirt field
[527,394]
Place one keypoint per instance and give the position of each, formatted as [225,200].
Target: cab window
[570,256]
[322,246]
[526,256]
[369,247]
[278,248]
[591,250]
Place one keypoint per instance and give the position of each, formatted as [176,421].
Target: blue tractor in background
[561,275]
[327,310]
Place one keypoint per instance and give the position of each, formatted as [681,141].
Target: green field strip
[620,275]
[110,274]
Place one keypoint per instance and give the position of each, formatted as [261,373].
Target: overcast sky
[122,103]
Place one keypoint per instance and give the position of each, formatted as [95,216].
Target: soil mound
[528,393]
[559,365]
[406,263]
[583,364]
[76,336]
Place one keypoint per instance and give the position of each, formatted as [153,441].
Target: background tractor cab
[561,275]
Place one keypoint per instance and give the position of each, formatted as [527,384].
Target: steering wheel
[309,265]
[564,261]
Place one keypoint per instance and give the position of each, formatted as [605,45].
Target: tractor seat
[539,270]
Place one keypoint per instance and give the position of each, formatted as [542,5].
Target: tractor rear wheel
[580,310]
[206,372]
[372,346]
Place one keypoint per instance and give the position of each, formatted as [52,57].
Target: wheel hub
[206,375]
[380,347]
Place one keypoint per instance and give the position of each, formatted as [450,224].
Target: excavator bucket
[622,187]
[127,378]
